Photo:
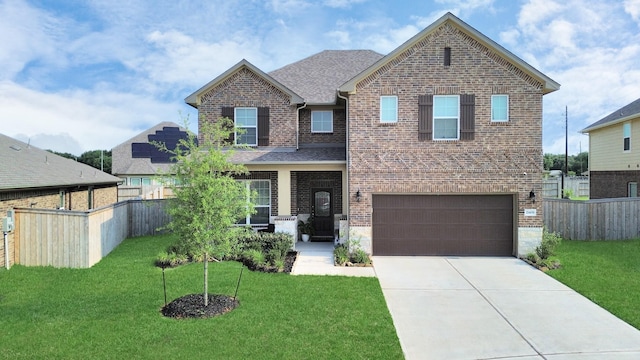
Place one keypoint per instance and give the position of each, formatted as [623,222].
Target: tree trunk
[206,279]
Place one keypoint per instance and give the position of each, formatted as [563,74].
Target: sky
[87,75]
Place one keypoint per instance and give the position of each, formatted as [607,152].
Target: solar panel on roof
[170,136]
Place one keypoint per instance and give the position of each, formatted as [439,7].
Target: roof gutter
[614,122]
[298,125]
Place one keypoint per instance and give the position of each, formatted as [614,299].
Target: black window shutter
[263,126]
[228,112]
[467,116]
[425,117]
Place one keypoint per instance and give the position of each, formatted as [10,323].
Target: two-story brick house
[435,148]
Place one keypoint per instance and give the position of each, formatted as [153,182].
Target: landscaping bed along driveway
[495,308]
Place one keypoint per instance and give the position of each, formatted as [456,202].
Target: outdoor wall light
[358,195]
[532,196]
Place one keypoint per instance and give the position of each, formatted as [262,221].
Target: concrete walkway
[495,308]
[316,258]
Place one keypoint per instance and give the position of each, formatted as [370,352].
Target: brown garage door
[443,225]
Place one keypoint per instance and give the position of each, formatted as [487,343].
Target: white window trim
[433,121]
[395,120]
[501,95]
[247,184]
[323,131]
[624,137]
[235,116]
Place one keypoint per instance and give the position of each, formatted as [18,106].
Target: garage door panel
[443,225]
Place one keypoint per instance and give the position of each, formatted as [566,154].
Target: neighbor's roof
[195,98]
[123,163]
[317,78]
[548,84]
[23,167]
[625,113]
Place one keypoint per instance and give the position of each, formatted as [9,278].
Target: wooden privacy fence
[578,185]
[602,219]
[79,239]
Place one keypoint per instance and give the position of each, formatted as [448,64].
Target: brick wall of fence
[79,239]
[602,219]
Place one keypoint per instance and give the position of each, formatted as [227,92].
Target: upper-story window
[388,109]
[626,134]
[246,119]
[446,117]
[500,108]
[322,121]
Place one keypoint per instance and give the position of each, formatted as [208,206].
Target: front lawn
[606,272]
[113,311]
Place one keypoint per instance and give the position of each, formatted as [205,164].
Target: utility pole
[566,148]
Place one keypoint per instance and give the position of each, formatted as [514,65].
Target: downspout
[346,101]
[298,124]
[6,251]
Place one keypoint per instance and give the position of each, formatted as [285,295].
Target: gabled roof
[548,84]
[317,77]
[123,162]
[625,113]
[26,167]
[195,98]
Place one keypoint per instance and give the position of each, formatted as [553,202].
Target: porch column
[284,192]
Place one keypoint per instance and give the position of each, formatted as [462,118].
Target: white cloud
[632,7]
[27,34]
[94,119]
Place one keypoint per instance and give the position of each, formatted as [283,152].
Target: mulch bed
[192,306]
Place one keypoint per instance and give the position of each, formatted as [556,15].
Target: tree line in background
[99,159]
[578,164]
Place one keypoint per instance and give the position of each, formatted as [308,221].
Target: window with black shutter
[453,119]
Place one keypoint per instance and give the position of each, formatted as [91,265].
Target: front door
[322,212]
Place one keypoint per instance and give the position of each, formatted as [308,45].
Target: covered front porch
[289,193]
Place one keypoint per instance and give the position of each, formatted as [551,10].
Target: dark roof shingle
[317,77]
[23,166]
[624,112]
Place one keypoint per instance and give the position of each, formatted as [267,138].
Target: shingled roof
[317,77]
[623,114]
[26,167]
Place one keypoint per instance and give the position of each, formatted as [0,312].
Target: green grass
[112,310]
[580,198]
[606,272]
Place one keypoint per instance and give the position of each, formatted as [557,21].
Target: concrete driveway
[495,308]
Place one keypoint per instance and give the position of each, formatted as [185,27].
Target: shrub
[254,258]
[170,259]
[341,254]
[549,242]
[360,256]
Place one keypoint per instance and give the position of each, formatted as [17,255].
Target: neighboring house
[614,157]
[433,149]
[140,164]
[35,178]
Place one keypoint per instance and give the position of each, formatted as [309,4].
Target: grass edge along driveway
[606,272]
[112,310]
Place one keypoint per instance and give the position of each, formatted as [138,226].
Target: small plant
[341,254]
[306,227]
[359,256]
[547,247]
[254,258]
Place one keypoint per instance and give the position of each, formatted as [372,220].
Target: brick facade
[246,89]
[503,158]
[611,184]
[339,135]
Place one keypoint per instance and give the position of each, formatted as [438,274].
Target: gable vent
[447,56]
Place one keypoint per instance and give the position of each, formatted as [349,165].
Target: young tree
[208,200]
